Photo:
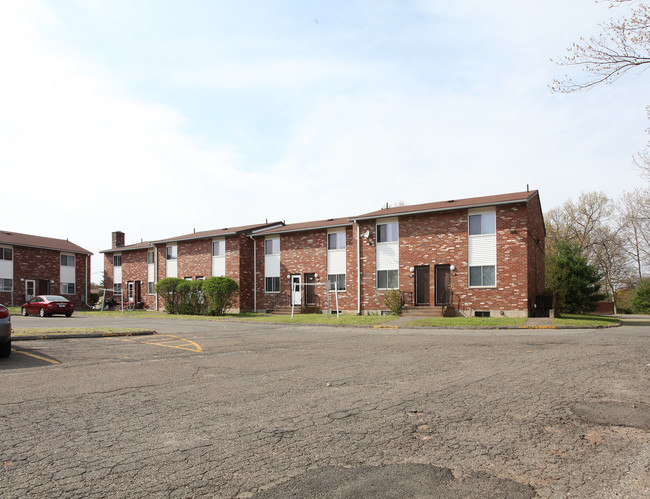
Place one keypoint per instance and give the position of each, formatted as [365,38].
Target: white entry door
[296,291]
[30,289]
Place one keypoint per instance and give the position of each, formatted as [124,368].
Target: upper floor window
[117,260]
[482,223]
[67,260]
[218,248]
[272,246]
[387,233]
[150,257]
[6,254]
[172,252]
[336,240]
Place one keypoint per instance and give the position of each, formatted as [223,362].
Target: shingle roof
[452,204]
[18,239]
[227,231]
[302,226]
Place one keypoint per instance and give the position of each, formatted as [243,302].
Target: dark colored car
[46,305]
[5,332]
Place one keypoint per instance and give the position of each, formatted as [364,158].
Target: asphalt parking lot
[232,409]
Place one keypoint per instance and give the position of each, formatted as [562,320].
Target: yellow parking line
[39,357]
[165,341]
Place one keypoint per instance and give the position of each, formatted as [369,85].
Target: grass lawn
[577,320]
[469,322]
[344,319]
[585,320]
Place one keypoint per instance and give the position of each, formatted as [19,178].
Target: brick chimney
[118,239]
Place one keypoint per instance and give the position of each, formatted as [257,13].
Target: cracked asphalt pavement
[268,410]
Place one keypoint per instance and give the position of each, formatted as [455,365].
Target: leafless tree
[634,220]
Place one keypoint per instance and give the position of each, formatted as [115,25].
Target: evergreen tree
[576,283]
[640,302]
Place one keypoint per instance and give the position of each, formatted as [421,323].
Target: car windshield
[54,298]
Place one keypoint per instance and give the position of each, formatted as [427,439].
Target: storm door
[443,285]
[30,289]
[296,291]
[310,291]
[422,285]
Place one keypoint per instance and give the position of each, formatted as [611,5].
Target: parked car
[5,332]
[46,305]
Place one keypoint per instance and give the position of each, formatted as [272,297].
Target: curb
[68,336]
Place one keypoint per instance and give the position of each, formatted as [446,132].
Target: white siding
[117,275]
[387,256]
[482,250]
[219,261]
[271,265]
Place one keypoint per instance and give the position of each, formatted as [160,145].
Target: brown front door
[43,287]
[422,285]
[137,292]
[310,291]
[443,283]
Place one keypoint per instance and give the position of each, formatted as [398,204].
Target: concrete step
[422,312]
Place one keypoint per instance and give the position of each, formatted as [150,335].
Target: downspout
[87,286]
[254,274]
[155,271]
[358,268]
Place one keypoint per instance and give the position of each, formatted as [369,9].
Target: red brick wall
[441,238]
[302,253]
[536,250]
[36,264]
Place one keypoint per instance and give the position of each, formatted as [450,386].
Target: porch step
[422,312]
[297,310]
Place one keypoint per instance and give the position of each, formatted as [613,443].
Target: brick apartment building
[484,256]
[35,265]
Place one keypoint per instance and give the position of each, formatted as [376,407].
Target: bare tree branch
[621,46]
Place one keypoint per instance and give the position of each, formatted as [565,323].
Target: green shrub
[220,294]
[166,289]
[393,301]
[190,298]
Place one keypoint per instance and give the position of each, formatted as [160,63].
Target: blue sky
[160,117]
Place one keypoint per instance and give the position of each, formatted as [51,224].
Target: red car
[46,305]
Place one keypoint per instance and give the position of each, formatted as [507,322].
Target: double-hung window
[272,264]
[151,272]
[67,274]
[336,260]
[67,260]
[482,250]
[6,268]
[171,264]
[388,254]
